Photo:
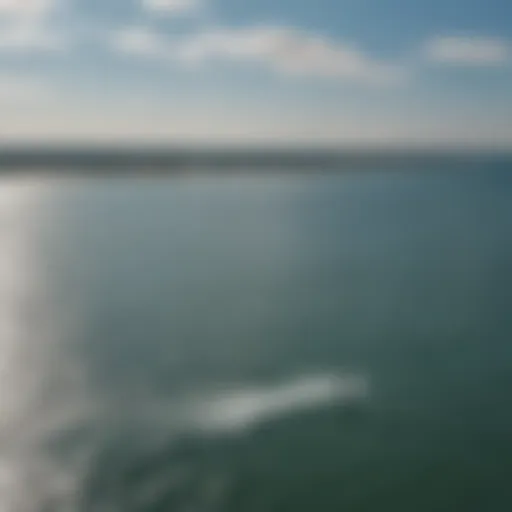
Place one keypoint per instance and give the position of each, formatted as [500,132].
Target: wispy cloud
[172,7]
[30,38]
[26,8]
[25,26]
[468,51]
[283,50]
[289,51]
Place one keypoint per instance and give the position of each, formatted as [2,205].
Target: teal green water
[257,344]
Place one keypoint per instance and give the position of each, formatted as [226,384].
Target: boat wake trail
[241,408]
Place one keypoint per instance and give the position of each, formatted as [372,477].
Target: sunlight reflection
[25,357]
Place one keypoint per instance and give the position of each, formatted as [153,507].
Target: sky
[429,73]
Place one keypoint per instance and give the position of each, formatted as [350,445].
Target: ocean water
[257,343]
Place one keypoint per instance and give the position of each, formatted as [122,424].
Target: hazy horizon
[222,72]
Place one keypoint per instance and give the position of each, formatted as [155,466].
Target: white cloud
[470,51]
[25,26]
[28,37]
[284,50]
[172,7]
[289,51]
[139,41]
[26,8]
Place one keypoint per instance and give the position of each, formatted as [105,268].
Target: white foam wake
[243,408]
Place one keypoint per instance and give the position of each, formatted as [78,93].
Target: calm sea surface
[331,342]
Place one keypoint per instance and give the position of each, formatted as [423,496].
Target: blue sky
[345,72]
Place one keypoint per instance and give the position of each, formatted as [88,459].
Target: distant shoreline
[171,161]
